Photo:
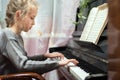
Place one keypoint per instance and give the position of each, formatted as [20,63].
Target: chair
[22,76]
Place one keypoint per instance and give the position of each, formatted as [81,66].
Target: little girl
[20,17]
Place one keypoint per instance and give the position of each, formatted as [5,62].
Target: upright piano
[93,63]
[92,60]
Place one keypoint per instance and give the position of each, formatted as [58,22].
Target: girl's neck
[15,29]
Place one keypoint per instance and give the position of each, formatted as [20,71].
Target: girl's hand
[54,55]
[66,61]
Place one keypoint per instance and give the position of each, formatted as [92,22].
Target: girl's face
[28,20]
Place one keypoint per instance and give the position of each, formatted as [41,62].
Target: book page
[89,24]
[97,27]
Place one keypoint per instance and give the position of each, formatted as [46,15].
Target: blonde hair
[15,5]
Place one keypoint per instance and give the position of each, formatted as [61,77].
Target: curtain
[3,5]
[63,18]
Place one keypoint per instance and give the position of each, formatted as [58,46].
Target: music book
[95,24]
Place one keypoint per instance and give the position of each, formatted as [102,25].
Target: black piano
[92,58]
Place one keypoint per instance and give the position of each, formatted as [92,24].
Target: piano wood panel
[114,39]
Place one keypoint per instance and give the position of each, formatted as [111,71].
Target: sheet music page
[98,26]
[96,29]
[89,24]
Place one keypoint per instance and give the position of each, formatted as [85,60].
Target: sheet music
[89,24]
[98,26]
[94,27]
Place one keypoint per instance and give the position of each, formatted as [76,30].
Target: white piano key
[78,73]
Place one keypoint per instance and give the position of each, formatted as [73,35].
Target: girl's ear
[17,14]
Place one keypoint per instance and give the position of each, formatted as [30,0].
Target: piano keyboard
[76,71]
